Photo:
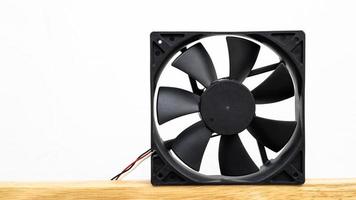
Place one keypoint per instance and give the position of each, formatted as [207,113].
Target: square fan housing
[287,167]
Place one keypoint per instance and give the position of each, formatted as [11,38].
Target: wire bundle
[135,163]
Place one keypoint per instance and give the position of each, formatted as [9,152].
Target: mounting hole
[295,174]
[159,175]
[296,39]
[159,41]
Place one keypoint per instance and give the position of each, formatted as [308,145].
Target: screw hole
[159,41]
[295,174]
[159,175]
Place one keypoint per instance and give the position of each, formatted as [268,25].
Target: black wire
[214,135]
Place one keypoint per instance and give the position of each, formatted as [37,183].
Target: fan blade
[273,134]
[190,145]
[233,157]
[242,54]
[197,63]
[175,102]
[278,86]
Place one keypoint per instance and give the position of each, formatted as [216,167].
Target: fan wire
[138,160]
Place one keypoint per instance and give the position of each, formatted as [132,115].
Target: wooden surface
[313,189]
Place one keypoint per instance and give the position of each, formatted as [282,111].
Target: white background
[74,80]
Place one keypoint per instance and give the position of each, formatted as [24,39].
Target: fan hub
[227,107]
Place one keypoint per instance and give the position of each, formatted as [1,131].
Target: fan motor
[227,107]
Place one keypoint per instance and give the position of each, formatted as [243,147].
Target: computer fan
[227,107]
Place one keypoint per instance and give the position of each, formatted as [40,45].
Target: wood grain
[322,189]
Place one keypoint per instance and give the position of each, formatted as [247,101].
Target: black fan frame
[287,168]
